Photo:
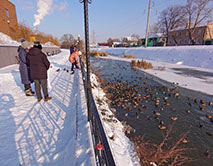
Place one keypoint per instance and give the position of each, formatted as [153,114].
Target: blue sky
[107,18]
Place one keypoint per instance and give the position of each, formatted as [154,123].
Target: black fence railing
[103,154]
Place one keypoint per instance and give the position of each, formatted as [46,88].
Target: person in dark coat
[23,68]
[39,64]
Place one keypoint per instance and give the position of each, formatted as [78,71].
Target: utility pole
[86,26]
[147,25]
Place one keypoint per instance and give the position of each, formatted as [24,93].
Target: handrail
[103,156]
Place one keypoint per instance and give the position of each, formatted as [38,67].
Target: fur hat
[22,40]
[25,44]
[36,43]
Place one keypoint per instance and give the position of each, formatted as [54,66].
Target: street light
[86,26]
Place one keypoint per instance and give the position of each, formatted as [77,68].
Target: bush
[98,53]
[128,56]
[141,64]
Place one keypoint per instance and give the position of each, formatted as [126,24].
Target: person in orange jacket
[73,58]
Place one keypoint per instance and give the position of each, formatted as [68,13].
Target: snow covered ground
[190,67]
[46,133]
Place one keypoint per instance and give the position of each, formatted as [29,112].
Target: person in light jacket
[23,68]
[39,64]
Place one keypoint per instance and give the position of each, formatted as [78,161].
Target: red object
[99,146]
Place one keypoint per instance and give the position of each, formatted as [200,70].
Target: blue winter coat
[24,70]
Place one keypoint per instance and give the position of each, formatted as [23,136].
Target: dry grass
[98,53]
[163,68]
[162,154]
[128,56]
[141,64]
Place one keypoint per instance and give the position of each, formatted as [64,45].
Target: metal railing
[103,154]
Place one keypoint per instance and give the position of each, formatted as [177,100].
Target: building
[154,40]
[8,18]
[130,41]
[202,35]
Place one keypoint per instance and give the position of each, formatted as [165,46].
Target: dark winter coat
[24,70]
[38,63]
[72,50]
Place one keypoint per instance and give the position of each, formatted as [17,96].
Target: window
[185,41]
[179,33]
[7,13]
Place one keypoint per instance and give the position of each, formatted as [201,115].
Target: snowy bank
[196,56]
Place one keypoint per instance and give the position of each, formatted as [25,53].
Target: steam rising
[44,7]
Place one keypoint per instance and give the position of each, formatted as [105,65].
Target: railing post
[86,26]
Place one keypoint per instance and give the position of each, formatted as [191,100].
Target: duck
[195,101]
[201,108]
[185,141]
[161,122]
[209,134]
[200,125]
[206,153]
[156,113]
[188,111]
[174,118]
[190,104]
[161,127]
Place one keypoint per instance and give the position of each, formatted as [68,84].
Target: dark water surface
[143,118]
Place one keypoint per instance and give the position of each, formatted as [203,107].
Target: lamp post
[86,26]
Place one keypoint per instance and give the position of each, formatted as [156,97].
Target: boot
[28,92]
[32,91]
[39,99]
[48,98]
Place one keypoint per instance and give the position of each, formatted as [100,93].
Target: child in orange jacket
[73,58]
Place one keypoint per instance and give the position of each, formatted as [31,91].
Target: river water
[172,101]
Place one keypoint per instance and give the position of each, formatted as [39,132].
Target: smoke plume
[44,7]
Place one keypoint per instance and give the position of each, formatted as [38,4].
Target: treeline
[23,31]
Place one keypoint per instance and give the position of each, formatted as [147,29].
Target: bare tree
[136,36]
[67,40]
[171,18]
[110,42]
[154,29]
[198,11]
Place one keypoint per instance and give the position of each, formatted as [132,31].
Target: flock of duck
[139,97]
[130,95]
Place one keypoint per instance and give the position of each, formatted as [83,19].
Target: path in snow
[44,133]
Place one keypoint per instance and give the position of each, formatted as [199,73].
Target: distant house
[202,35]
[154,40]
[8,18]
[103,44]
[130,41]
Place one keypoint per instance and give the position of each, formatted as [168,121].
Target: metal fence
[101,147]
[9,54]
